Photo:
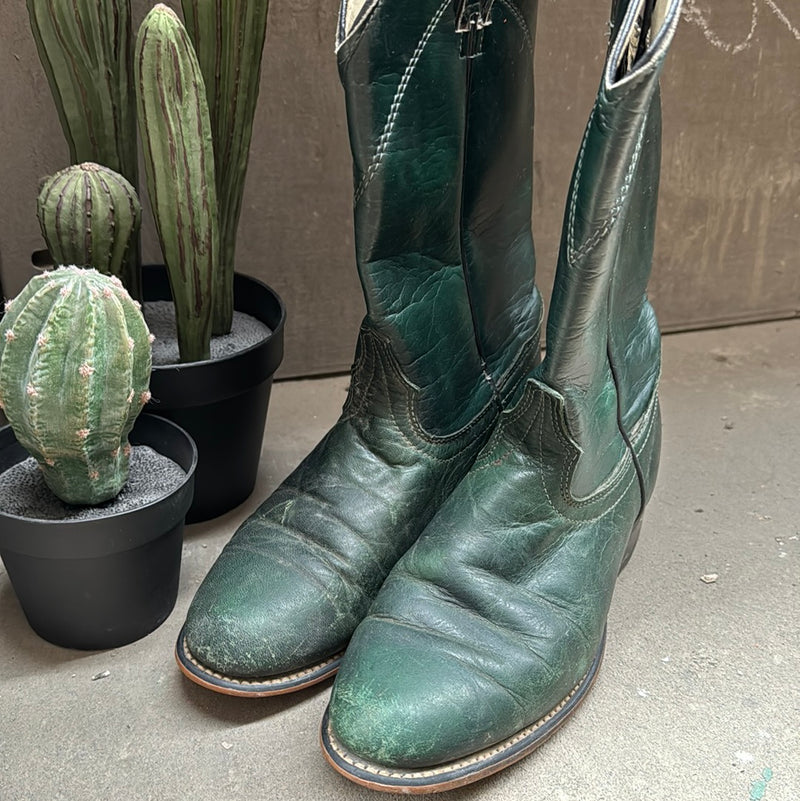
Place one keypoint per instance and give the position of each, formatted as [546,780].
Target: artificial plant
[196,94]
[75,361]
[228,37]
[90,216]
[197,91]
[86,48]
[179,164]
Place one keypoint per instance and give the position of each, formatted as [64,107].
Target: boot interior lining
[351,10]
[649,20]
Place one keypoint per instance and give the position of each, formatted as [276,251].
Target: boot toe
[254,623]
[401,702]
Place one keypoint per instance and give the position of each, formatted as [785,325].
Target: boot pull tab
[472,16]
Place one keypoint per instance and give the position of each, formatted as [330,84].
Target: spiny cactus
[179,160]
[228,37]
[74,372]
[88,215]
[86,50]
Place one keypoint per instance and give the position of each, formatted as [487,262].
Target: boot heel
[632,540]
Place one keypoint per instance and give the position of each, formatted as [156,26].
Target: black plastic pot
[107,581]
[222,403]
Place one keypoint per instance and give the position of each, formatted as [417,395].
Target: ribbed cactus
[86,50]
[179,160]
[228,37]
[89,215]
[74,374]
[85,47]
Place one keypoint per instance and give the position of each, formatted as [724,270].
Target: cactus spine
[179,160]
[86,49]
[228,37]
[74,371]
[88,215]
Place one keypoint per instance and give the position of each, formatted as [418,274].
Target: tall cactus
[179,160]
[88,215]
[86,50]
[74,371]
[228,37]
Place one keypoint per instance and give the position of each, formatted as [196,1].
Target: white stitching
[388,128]
[277,680]
[614,479]
[494,454]
[600,233]
[520,19]
[576,184]
[562,515]
[476,758]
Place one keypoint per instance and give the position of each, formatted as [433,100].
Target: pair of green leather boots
[461,528]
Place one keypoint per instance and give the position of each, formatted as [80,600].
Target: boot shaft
[497,244]
[441,135]
[603,343]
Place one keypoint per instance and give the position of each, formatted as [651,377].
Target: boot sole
[212,680]
[465,770]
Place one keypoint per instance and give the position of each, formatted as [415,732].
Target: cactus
[88,215]
[179,160]
[86,50]
[228,37]
[74,372]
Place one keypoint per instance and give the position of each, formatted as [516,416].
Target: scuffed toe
[258,623]
[401,702]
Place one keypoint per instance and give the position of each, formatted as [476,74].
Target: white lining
[664,21]
[351,18]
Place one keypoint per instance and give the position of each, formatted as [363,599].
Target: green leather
[442,175]
[492,619]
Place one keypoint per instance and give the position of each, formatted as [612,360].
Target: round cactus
[90,216]
[75,362]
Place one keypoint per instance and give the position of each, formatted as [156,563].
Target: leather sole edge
[466,770]
[265,687]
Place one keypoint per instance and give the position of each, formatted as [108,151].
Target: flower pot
[105,581]
[222,403]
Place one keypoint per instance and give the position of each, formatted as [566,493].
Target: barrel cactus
[179,160]
[89,216]
[86,51]
[75,362]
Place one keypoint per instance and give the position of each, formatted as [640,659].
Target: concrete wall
[729,225]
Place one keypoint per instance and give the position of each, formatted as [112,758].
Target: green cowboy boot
[442,147]
[489,631]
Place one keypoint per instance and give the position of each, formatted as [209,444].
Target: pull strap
[472,16]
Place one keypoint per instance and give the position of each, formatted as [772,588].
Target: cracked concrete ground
[698,698]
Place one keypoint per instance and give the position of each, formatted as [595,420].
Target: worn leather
[497,612]
[442,175]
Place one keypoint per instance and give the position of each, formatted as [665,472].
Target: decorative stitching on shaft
[600,233]
[388,129]
[517,14]
[576,184]
[585,502]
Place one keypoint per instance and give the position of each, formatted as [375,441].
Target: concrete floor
[699,696]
